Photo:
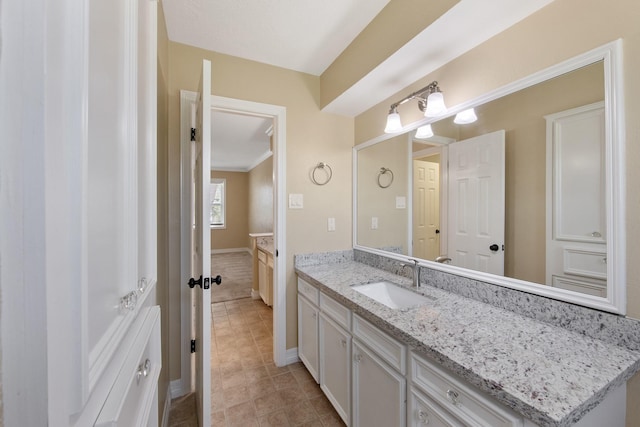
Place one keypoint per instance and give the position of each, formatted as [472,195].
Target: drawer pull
[423,417]
[453,396]
[129,301]
[143,370]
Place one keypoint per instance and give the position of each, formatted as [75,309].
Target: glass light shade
[394,124]
[435,105]
[424,132]
[465,117]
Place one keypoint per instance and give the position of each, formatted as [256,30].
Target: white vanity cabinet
[379,385]
[452,400]
[308,298]
[335,355]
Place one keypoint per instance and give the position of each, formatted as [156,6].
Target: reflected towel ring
[325,167]
[383,171]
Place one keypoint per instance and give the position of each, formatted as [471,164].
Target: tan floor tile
[217,401]
[300,413]
[230,367]
[275,419]
[273,369]
[322,406]
[311,390]
[242,422]
[332,420]
[218,418]
[233,380]
[314,423]
[267,403]
[291,395]
[262,387]
[255,374]
[284,380]
[241,410]
[235,395]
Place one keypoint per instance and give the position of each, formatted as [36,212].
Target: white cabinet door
[424,412]
[308,336]
[335,366]
[379,392]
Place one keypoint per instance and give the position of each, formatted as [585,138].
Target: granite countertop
[265,244]
[548,374]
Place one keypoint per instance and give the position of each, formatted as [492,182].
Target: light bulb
[465,117]
[424,132]
[435,105]
[394,125]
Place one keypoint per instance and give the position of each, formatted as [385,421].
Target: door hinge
[193,346]
[193,134]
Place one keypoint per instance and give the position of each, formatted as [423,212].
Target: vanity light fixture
[424,132]
[430,101]
[465,117]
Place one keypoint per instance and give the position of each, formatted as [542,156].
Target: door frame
[278,115]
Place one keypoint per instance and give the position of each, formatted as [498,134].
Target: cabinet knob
[423,417]
[596,234]
[143,370]
[129,301]
[453,396]
[358,358]
[343,342]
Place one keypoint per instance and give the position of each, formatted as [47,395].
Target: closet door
[117,217]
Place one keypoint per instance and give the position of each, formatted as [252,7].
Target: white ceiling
[307,35]
[240,142]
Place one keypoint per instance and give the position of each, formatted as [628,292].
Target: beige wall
[561,30]
[374,201]
[236,233]
[311,137]
[261,197]
[167,324]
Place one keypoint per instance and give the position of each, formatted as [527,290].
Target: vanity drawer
[336,311]
[392,351]
[423,411]
[310,292]
[460,399]
[133,399]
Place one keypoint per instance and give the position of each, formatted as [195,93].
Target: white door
[476,203]
[576,235]
[201,269]
[426,209]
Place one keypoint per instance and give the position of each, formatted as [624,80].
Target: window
[218,202]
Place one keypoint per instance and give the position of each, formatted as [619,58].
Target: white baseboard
[291,356]
[165,411]
[176,389]
[230,250]
[255,294]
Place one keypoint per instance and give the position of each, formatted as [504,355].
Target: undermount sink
[391,295]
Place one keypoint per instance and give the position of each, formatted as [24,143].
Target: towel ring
[325,167]
[384,171]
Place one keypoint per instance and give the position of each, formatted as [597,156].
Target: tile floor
[247,388]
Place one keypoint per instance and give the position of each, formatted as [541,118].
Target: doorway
[277,115]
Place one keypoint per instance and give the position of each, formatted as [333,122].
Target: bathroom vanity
[262,249]
[454,360]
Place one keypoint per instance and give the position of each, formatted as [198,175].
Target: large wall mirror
[528,196]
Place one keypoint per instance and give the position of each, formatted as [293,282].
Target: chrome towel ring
[321,180]
[385,171]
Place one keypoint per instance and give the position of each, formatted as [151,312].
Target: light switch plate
[401,202]
[296,201]
[374,222]
[331,224]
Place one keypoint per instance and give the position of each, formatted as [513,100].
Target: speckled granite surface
[550,374]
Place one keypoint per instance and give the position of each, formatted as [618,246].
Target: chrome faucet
[416,272]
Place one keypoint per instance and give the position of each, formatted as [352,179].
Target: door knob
[494,248]
[193,282]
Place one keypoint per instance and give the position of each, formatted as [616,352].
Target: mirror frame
[615,301]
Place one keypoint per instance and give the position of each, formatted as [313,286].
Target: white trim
[615,301]
[187,98]
[178,388]
[292,356]
[164,422]
[230,250]
[278,114]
